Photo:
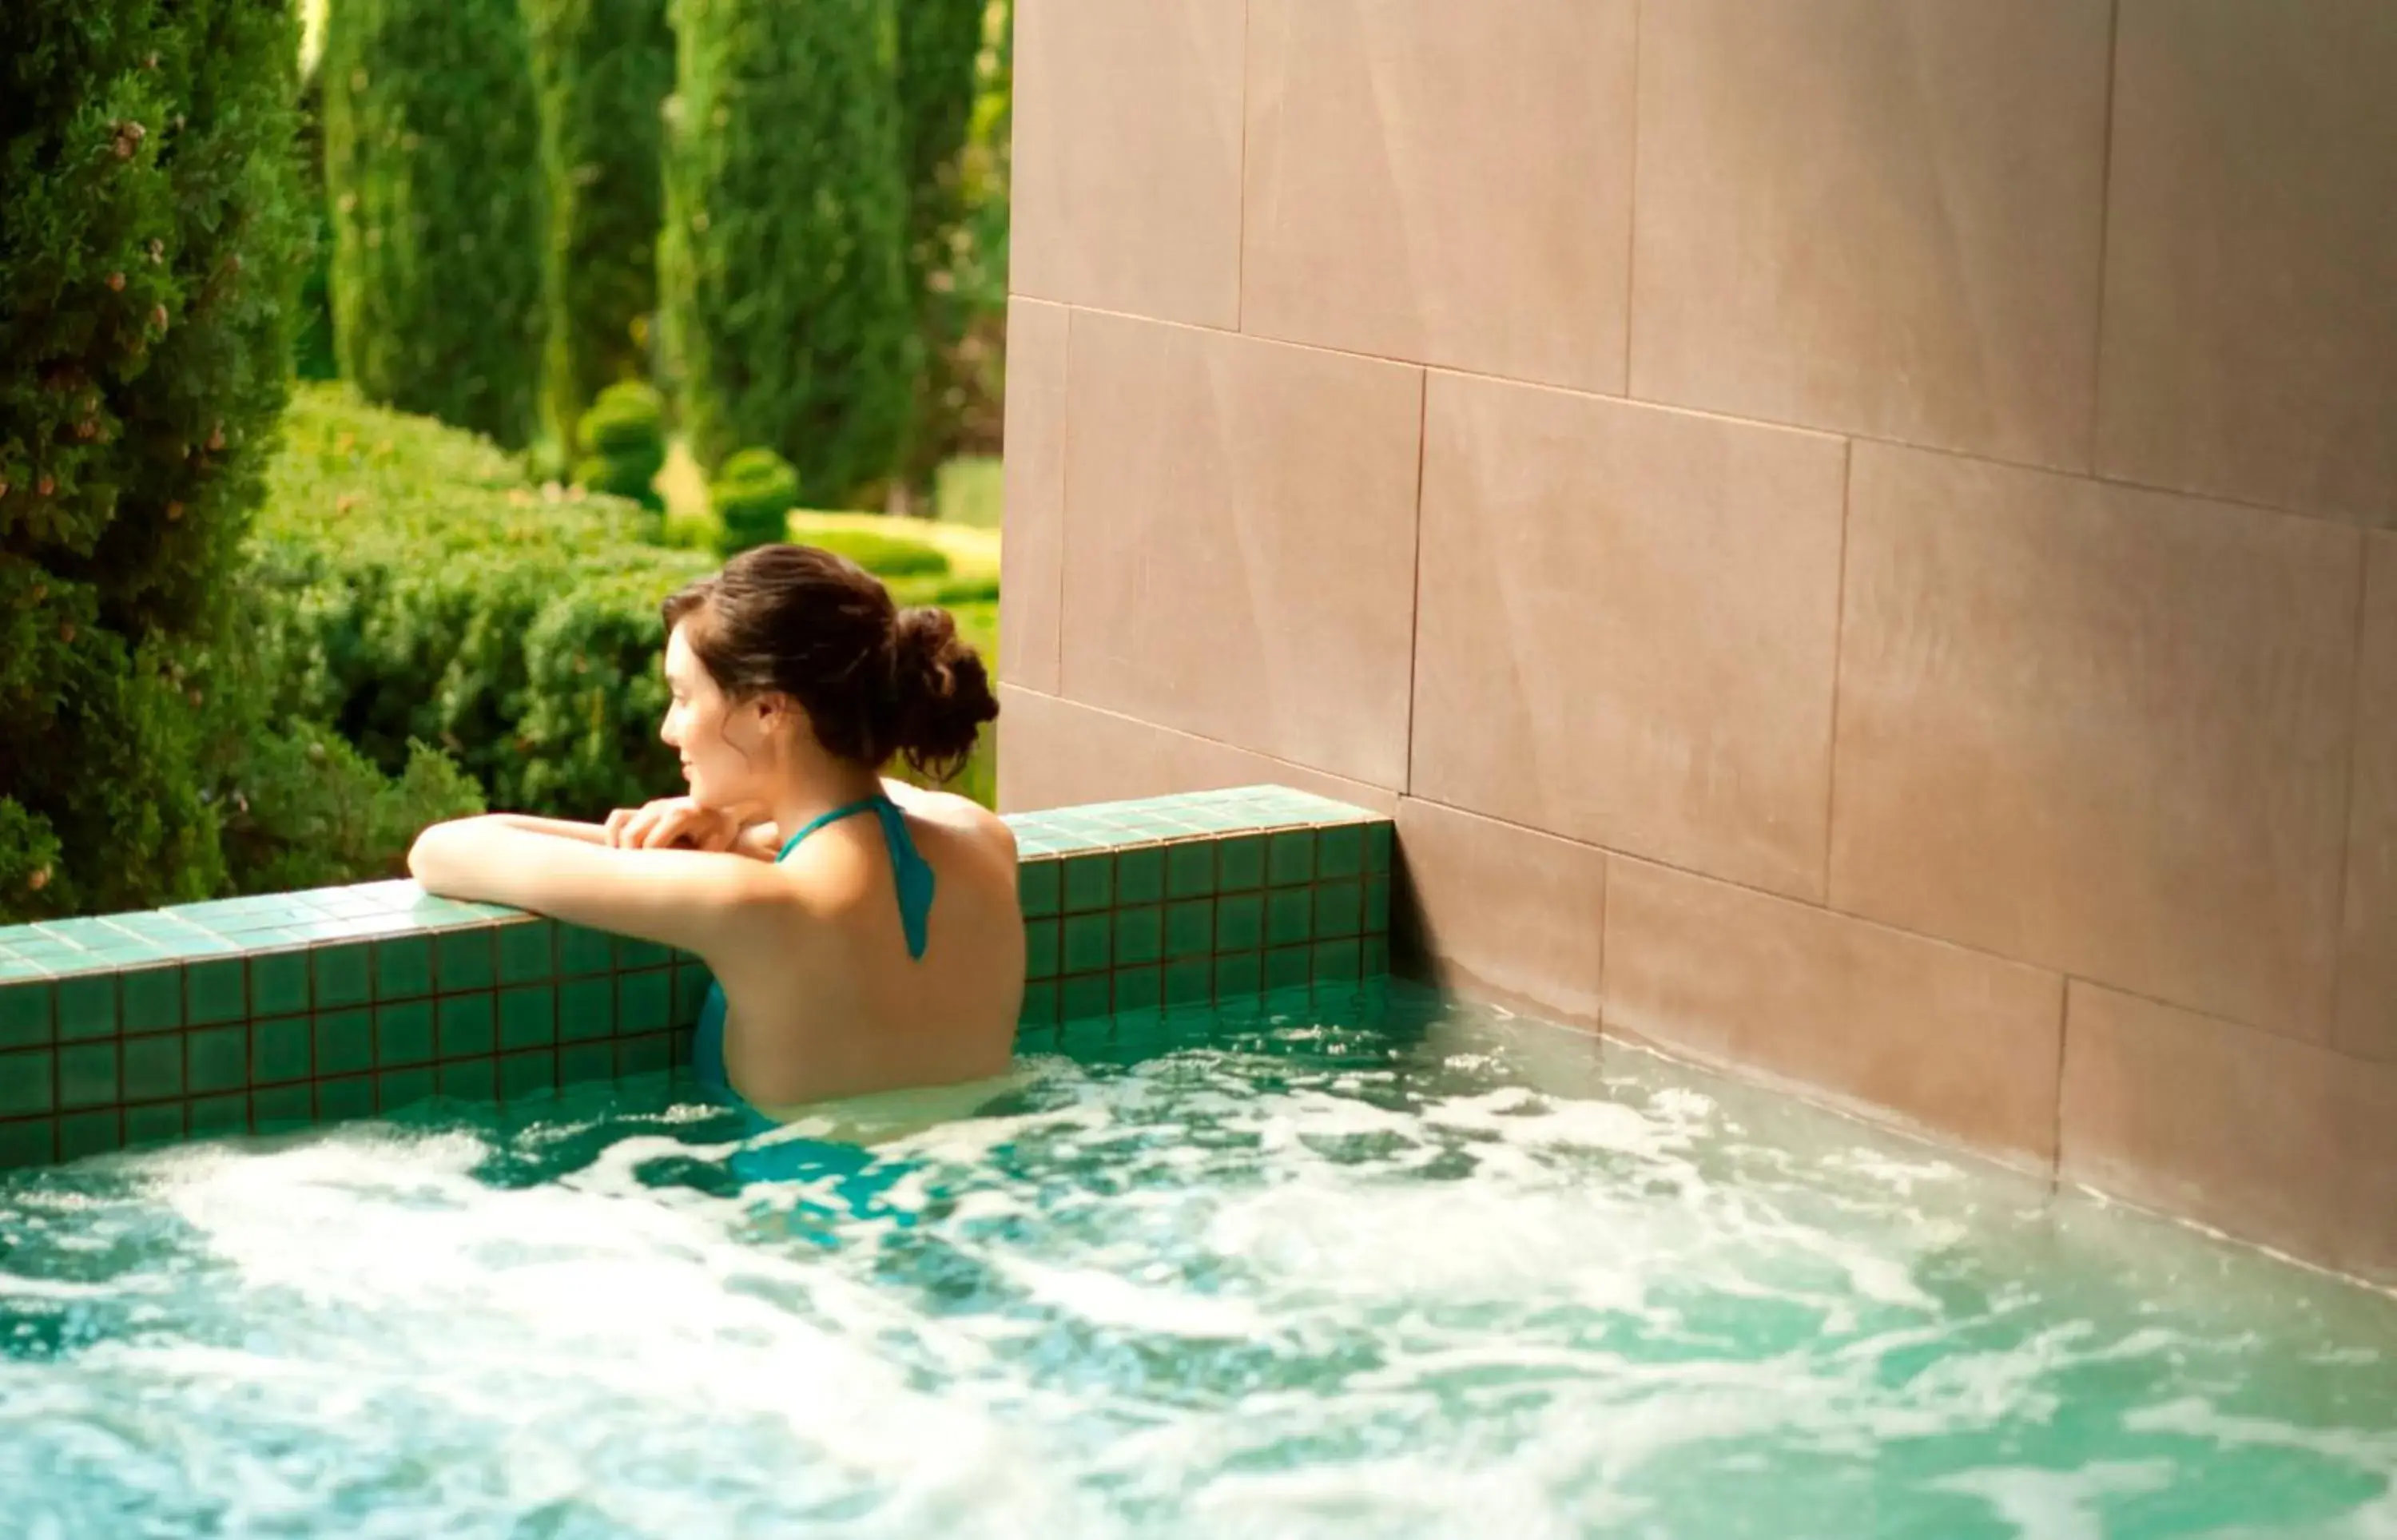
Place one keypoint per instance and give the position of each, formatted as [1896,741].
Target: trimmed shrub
[886,556]
[753,496]
[603,68]
[419,592]
[623,436]
[149,252]
[784,259]
[432,164]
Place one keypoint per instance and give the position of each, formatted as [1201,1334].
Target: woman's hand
[673,823]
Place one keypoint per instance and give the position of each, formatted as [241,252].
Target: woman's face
[725,747]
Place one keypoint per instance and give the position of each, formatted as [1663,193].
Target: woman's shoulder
[961,818]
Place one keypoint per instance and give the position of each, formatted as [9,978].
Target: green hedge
[420,591]
[782,265]
[432,164]
[150,246]
[752,496]
[623,439]
[604,68]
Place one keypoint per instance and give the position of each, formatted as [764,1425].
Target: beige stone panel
[2250,254]
[1879,216]
[2367,982]
[2099,729]
[1949,1041]
[1628,628]
[1452,194]
[1127,156]
[1032,554]
[1054,753]
[1241,541]
[2269,1140]
[1501,913]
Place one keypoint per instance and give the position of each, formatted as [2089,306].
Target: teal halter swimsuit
[800,1158]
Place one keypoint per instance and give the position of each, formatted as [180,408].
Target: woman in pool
[865,934]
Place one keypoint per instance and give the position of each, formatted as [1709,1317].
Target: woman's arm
[692,899]
[560,828]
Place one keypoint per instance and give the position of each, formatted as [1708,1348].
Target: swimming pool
[1384,1266]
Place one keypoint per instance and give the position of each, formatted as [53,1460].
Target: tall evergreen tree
[785,254]
[604,68]
[148,256]
[432,165]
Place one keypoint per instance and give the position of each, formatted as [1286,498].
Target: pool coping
[283,1011]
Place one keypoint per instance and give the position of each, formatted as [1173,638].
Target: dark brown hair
[875,679]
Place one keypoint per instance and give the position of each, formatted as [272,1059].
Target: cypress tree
[432,164]
[937,73]
[784,248]
[148,256]
[604,68]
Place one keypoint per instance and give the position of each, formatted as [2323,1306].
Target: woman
[865,934]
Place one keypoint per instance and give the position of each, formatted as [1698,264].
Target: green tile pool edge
[275,1011]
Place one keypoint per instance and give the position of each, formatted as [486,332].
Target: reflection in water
[1388,1268]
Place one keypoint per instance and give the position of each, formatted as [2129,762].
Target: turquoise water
[1388,1269]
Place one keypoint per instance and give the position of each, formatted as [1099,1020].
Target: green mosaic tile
[1289,967]
[1088,943]
[1340,959]
[586,1009]
[1340,853]
[1240,864]
[1140,875]
[529,1015]
[278,983]
[1081,998]
[154,1000]
[1290,858]
[11,969]
[31,1142]
[218,1059]
[1375,959]
[88,932]
[1190,928]
[345,1099]
[1339,910]
[281,1050]
[632,952]
[344,1042]
[586,1062]
[403,968]
[644,1002]
[1379,837]
[1039,1007]
[646,1055]
[403,1033]
[527,1074]
[1289,916]
[1140,935]
[465,960]
[1089,883]
[27,1015]
[87,1075]
[470,1079]
[1377,906]
[467,1024]
[527,952]
[395,1089]
[344,975]
[218,1117]
[582,951]
[1240,922]
[282,1108]
[84,1134]
[1190,870]
[1240,974]
[1040,887]
[153,1067]
[691,993]
[216,992]
[1190,983]
[159,1124]
[1140,989]
[25,1082]
[1040,949]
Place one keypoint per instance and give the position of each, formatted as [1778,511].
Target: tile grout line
[2338,971]
[1838,654]
[1414,611]
[2105,232]
[1631,204]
